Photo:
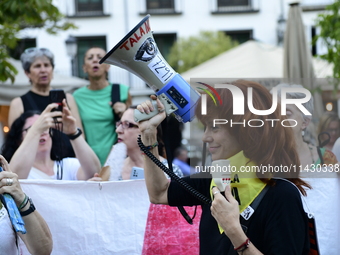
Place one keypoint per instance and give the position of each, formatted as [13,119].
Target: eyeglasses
[35,50]
[126,124]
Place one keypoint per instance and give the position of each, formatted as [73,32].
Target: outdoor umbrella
[297,60]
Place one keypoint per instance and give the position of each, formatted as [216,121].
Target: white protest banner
[92,217]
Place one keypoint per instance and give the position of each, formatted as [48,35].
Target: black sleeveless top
[35,102]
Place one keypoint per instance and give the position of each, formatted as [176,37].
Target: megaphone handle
[139,116]
[170,107]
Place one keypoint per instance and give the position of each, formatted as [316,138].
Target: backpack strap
[115,93]
[244,223]
[253,206]
[115,97]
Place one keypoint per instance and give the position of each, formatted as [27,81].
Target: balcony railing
[162,11]
[234,6]
[316,2]
[89,13]
[76,9]
[167,8]
[315,5]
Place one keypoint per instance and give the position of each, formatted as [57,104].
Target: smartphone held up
[57,96]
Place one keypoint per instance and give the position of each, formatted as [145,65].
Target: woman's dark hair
[265,145]
[14,136]
[161,146]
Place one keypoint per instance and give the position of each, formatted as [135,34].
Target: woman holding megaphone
[279,223]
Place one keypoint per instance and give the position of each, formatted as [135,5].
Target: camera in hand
[57,96]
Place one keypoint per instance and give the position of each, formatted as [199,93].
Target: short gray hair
[296,95]
[31,54]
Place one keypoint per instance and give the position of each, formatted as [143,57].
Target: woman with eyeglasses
[159,216]
[38,64]
[128,132]
[95,103]
[28,147]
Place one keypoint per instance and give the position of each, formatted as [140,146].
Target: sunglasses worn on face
[126,124]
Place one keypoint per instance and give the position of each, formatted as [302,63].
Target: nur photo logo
[239,104]
[204,96]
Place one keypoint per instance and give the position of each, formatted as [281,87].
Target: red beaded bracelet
[243,246]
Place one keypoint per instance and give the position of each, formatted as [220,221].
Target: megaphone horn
[137,53]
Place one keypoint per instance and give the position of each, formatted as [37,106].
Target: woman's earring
[303,133]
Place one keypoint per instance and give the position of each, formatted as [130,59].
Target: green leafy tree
[329,24]
[190,52]
[17,15]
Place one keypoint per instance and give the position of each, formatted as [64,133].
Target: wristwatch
[75,135]
[29,210]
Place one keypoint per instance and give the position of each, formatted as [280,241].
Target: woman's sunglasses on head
[35,50]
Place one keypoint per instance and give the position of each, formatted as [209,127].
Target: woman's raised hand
[119,108]
[46,119]
[9,182]
[151,124]
[69,122]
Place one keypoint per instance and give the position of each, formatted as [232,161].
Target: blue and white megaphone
[137,52]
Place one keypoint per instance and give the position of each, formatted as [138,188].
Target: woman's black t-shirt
[278,226]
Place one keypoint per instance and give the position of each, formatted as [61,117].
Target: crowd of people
[79,141]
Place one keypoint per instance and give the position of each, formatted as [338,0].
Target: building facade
[105,22]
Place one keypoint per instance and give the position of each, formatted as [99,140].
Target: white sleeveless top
[70,170]
[7,235]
